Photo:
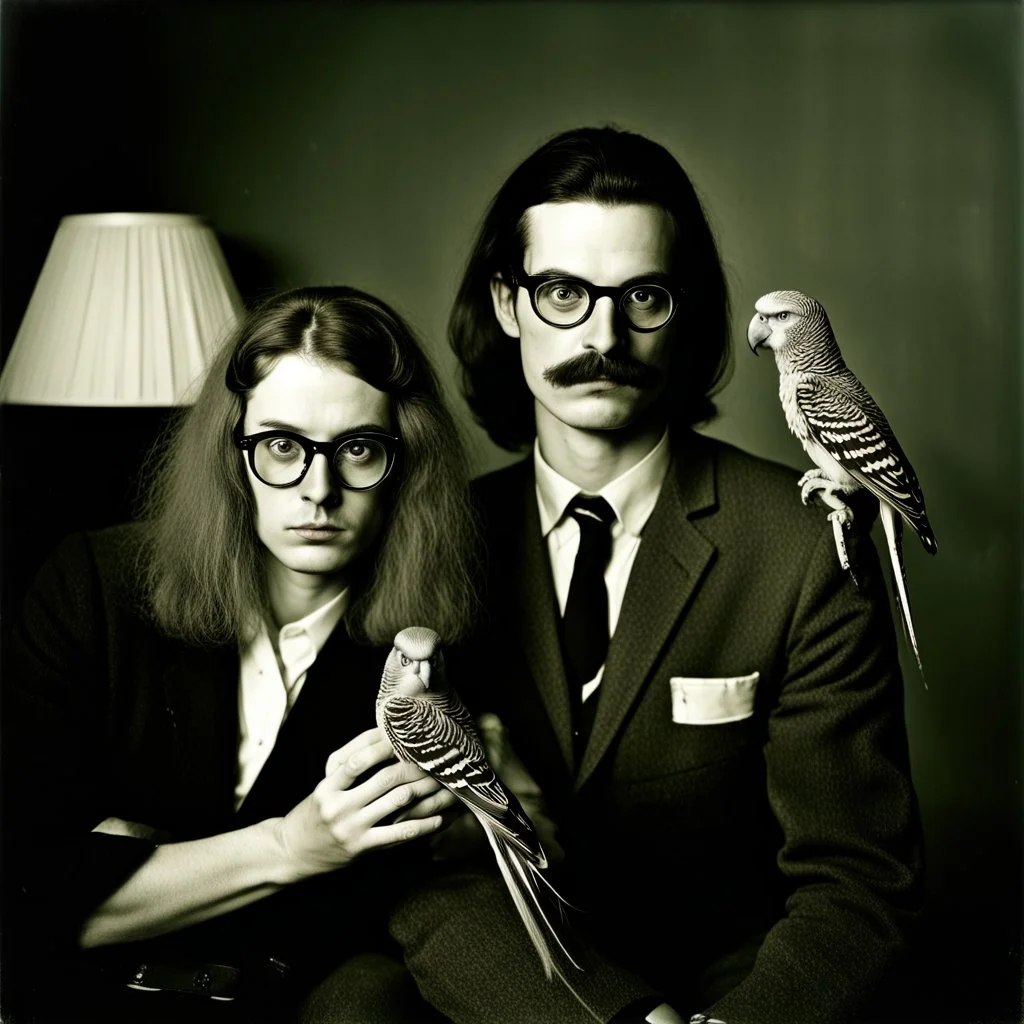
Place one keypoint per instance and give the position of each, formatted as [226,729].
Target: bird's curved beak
[757,333]
[425,674]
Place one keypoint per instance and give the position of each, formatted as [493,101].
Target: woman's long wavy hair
[599,165]
[205,562]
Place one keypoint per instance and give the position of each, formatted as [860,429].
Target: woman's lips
[311,532]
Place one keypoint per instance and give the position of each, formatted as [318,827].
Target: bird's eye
[763,318]
[783,316]
[405,660]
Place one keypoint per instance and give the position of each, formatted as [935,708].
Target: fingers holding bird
[365,801]
[360,753]
[411,792]
[399,791]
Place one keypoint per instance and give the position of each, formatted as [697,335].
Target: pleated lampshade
[127,310]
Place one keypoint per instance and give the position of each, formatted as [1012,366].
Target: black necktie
[585,621]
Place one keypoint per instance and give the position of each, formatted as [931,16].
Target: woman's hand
[340,820]
[184,883]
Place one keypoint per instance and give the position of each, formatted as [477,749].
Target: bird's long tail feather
[892,524]
[523,879]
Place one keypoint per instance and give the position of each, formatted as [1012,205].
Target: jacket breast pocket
[713,701]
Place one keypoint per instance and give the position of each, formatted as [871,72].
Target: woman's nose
[319,485]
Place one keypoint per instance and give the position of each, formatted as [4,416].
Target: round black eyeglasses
[566,302]
[358,461]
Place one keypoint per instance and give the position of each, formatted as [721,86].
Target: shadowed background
[867,154]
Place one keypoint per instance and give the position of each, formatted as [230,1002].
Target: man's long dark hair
[205,561]
[612,167]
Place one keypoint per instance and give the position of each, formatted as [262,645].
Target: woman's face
[316,528]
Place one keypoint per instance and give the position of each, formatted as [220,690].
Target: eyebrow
[651,277]
[361,428]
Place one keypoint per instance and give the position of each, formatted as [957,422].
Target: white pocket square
[697,701]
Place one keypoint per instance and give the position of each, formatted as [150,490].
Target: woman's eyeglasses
[358,462]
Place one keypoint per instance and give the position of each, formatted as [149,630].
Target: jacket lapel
[337,703]
[671,563]
[201,699]
[535,612]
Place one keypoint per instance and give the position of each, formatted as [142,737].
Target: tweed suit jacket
[741,832]
[105,716]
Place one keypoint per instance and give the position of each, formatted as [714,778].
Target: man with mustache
[712,709]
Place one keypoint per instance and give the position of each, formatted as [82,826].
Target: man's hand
[341,820]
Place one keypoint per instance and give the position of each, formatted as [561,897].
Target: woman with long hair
[197,800]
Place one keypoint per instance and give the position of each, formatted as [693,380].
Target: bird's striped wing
[846,421]
[434,736]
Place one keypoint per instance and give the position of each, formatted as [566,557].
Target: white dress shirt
[632,497]
[268,687]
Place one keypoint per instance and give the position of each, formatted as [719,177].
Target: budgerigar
[429,726]
[841,428]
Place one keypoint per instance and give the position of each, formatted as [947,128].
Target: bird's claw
[837,533]
[811,483]
[814,482]
[843,516]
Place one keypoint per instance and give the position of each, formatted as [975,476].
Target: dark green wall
[868,154]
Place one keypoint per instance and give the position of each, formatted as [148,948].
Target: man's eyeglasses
[358,462]
[568,301]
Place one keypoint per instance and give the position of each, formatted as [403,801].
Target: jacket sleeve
[56,869]
[839,785]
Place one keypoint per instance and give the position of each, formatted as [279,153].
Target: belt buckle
[215,981]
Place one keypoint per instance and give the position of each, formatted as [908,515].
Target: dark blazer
[104,716]
[764,869]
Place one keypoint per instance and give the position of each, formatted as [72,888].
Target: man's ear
[504,306]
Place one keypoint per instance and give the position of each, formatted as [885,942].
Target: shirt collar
[632,495]
[319,624]
[299,642]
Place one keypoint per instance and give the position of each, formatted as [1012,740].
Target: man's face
[316,528]
[605,245]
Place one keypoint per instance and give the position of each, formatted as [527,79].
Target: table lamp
[126,312]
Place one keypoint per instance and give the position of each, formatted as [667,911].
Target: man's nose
[606,327]
[319,485]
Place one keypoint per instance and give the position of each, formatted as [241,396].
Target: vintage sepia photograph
[511,511]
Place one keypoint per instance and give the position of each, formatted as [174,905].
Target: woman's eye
[283,447]
[356,451]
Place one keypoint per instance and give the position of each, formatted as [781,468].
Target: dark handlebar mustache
[591,367]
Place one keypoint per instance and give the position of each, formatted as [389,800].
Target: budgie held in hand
[429,726]
[841,428]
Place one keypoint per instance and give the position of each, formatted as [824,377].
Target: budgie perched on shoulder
[841,428]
